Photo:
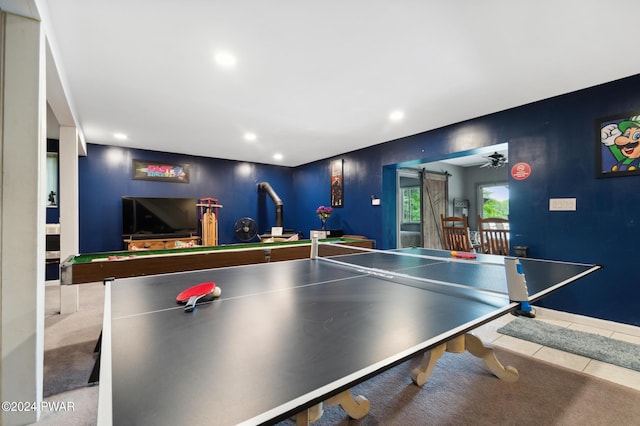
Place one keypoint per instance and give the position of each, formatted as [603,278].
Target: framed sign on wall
[160,171]
[618,145]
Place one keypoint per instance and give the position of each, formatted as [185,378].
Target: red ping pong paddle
[463,255]
[199,292]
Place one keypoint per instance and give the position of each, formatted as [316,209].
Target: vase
[324,224]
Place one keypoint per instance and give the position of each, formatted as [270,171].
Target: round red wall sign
[521,171]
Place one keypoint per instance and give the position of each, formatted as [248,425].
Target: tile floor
[623,376]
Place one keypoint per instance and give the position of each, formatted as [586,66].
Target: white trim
[105,394]
[546,313]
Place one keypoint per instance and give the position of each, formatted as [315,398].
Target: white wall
[22,222]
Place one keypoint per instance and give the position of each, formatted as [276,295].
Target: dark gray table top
[286,335]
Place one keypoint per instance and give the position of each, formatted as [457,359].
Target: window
[495,200]
[411,204]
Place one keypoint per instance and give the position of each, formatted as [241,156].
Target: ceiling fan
[495,160]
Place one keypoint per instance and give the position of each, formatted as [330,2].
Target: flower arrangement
[324,213]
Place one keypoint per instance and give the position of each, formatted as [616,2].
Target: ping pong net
[497,281]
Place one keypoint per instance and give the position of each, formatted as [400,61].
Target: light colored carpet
[69,340]
[461,391]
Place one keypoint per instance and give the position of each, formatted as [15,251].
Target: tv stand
[160,243]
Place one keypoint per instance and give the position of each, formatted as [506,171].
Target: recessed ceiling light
[250,136]
[277,156]
[225,59]
[396,115]
[120,136]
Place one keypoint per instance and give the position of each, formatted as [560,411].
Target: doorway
[422,197]
[450,186]
[409,208]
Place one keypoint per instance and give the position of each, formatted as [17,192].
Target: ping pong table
[284,338]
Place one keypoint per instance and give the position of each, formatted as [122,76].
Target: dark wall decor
[618,145]
[159,171]
[337,184]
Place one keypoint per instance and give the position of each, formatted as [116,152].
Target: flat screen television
[149,217]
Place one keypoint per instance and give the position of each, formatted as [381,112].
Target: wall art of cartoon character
[623,142]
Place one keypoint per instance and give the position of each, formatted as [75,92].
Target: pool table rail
[88,268]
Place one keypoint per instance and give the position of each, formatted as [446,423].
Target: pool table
[92,267]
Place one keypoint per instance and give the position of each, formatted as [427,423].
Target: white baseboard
[589,321]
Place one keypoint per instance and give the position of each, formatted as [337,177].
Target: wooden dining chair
[455,233]
[494,235]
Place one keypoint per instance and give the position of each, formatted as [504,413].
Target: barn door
[435,197]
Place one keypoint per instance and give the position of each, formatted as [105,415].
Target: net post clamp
[517,286]
[314,244]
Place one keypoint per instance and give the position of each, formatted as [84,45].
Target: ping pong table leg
[475,347]
[310,415]
[467,342]
[356,407]
[94,378]
[421,374]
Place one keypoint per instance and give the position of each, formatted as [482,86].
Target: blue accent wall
[362,177]
[105,177]
[555,136]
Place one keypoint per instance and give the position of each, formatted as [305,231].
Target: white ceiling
[314,79]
